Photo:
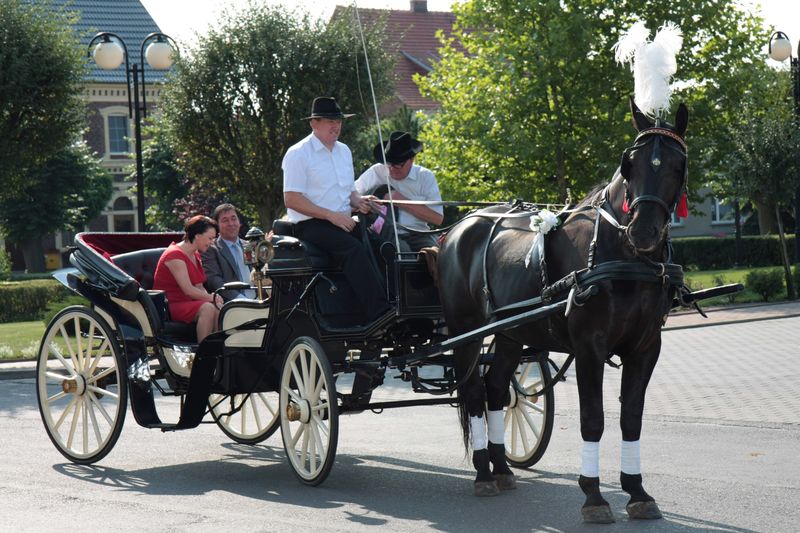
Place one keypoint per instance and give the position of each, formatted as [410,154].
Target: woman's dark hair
[196,225]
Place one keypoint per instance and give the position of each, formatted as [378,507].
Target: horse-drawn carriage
[275,361]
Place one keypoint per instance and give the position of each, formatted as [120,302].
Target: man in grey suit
[223,262]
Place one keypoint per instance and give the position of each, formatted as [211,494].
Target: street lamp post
[780,49]
[108,53]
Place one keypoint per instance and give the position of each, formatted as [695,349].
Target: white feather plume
[653,63]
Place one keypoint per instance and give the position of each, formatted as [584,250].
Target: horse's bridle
[655,164]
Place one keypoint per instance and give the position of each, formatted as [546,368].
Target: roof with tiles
[127,18]
[413,35]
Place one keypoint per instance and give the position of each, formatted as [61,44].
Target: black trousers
[348,250]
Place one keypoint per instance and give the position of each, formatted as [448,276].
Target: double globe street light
[780,49]
[109,52]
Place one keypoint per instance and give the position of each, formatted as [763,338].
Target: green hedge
[717,253]
[28,300]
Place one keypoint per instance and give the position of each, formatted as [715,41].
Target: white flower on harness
[541,224]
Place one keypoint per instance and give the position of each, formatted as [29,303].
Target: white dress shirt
[420,184]
[324,176]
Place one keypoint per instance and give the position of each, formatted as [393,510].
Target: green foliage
[403,119]
[236,102]
[28,300]
[768,283]
[41,76]
[711,253]
[68,191]
[536,104]
[164,182]
[5,265]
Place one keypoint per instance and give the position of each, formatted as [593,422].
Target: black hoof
[486,488]
[506,481]
[597,514]
[643,510]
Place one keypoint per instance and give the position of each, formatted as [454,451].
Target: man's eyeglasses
[398,165]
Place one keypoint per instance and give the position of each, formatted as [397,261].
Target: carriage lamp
[108,51]
[780,49]
[258,252]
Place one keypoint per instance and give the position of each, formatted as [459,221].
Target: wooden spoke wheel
[246,418]
[309,412]
[81,385]
[529,419]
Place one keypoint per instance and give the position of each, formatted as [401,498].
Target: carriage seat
[291,252]
[141,266]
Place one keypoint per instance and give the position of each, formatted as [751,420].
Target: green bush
[5,266]
[767,283]
[719,253]
[28,300]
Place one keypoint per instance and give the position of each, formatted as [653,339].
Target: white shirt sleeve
[295,177]
[431,189]
[367,181]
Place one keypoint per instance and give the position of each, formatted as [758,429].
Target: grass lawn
[20,339]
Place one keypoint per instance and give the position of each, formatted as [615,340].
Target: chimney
[419,6]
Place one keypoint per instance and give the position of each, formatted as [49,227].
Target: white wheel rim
[526,416]
[78,384]
[256,416]
[305,386]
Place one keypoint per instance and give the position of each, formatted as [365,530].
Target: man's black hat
[326,107]
[399,148]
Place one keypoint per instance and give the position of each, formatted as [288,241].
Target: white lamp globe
[108,55]
[780,48]
[159,55]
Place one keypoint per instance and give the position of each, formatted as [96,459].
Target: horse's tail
[463,418]
[471,393]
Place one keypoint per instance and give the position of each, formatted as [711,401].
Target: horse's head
[655,171]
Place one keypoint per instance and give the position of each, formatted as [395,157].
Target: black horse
[616,240]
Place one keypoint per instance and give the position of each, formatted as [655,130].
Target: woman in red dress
[180,274]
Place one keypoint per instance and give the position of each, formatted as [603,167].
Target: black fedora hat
[399,148]
[326,107]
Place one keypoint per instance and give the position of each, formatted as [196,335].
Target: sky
[181,19]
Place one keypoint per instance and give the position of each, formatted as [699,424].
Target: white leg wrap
[478,430]
[630,463]
[497,430]
[590,464]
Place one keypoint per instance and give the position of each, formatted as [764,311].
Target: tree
[536,105]
[41,72]
[164,182]
[764,163]
[67,192]
[236,102]
[403,119]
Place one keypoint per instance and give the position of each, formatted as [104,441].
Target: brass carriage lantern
[258,252]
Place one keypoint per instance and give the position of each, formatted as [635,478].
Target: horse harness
[579,284]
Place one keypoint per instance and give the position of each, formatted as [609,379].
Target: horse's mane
[596,191]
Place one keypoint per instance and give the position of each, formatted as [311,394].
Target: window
[722,212]
[676,220]
[118,134]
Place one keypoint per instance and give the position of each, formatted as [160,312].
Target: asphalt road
[720,452]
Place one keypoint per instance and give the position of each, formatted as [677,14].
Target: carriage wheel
[80,384]
[529,419]
[246,418]
[309,412]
